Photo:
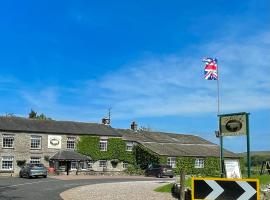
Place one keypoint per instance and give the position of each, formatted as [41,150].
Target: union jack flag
[210,69]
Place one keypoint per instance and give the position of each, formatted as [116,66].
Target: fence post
[182,185]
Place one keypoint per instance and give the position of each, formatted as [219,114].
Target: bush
[134,170]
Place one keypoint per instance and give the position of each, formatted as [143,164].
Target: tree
[32,114]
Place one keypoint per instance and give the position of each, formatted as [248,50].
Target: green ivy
[116,149]
[211,166]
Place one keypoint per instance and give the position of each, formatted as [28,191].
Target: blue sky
[72,60]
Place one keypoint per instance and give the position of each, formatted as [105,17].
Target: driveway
[50,188]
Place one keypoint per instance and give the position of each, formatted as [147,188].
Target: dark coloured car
[159,170]
[33,170]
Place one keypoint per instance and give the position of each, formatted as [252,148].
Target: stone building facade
[36,141]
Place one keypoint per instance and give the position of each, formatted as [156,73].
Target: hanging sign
[54,141]
[234,124]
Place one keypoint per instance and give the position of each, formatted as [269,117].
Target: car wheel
[171,176]
[28,176]
[44,176]
[159,175]
[20,175]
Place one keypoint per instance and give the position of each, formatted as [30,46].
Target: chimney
[134,126]
[105,121]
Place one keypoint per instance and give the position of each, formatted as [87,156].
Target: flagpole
[219,134]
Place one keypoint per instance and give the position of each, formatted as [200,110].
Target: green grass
[167,187]
[164,188]
[264,179]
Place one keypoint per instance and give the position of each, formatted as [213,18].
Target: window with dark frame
[8,141]
[35,142]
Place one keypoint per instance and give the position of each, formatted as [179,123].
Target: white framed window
[125,165]
[71,143]
[7,163]
[90,164]
[171,161]
[34,160]
[73,165]
[103,145]
[199,163]
[103,163]
[8,141]
[83,165]
[35,142]
[129,146]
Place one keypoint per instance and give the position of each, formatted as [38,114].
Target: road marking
[21,184]
[217,190]
[249,191]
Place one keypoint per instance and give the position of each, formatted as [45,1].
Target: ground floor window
[103,163]
[90,164]
[7,163]
[34,160]
[125,165]
[83,165]
[171,161]
[199,163]
[73,165]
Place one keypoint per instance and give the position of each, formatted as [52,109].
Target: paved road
[13,188]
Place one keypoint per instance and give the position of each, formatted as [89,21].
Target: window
[125,165]
[34,160]
[71,142]
[103,163]
[35,142]
[199,163]
[8,141]
[129,146]
[103,145]
[73,165]
[7,163]
[90,164]
[171,161]
[83,165]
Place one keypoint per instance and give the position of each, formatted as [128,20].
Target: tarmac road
[13,188]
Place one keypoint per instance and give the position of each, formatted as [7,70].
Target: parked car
[33,170]
[159,170]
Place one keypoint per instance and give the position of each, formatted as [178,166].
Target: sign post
[235,124]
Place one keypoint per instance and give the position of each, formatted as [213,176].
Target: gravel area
[118,191]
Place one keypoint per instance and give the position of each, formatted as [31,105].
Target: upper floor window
[35,142]
[8,141]
[34,160]
[103,145]
[129,146]
[71,142]
[199,163]
[171,161]
[7,163]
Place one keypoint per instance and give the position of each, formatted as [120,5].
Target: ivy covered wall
[116,149]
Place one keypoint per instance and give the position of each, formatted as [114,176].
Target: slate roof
[171,144]
[69,156]
[19,124]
